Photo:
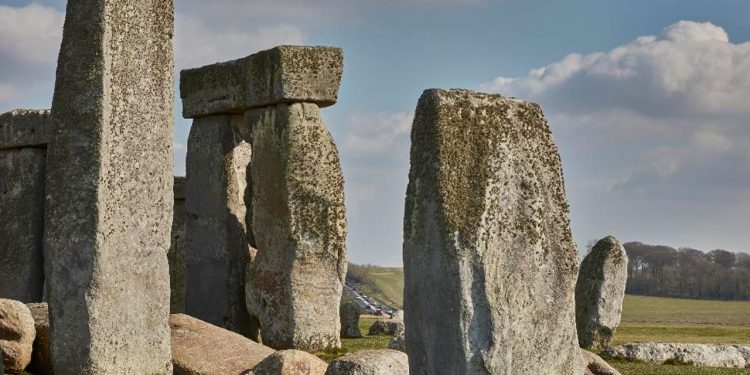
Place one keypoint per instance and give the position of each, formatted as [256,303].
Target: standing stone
[16,335]
[109,201]
[177,261]
[489,259]
[289,231]
[295,282]
[22,173]
[599,293]
[349,313]
[217,240]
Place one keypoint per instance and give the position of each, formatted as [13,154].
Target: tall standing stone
[23,159]
[177,261]
[599,293]
[217,238]
[294,245]
[489,260]
[110,189]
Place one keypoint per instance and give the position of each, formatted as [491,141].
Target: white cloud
[31,33]
[197,44]
[378,134]
[673,105]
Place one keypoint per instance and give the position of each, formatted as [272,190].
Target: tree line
[664,271]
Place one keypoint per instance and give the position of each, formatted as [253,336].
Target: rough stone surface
[24,128]
[41,359]
[177,253]
[349,314]
[294,284]
[398,314]
[280,75]
[594,365]
[487,240]
[701,355]
[370,362]
[22,181]
[398,342]
[291,362]
[199,348]
[218,249]
[599,293]
[109,184]
[386,327]
[16,335]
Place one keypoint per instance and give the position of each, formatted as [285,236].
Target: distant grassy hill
[381,283]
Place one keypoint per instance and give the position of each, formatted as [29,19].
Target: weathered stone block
[294,284]
[109,206]
[291,362]
[218,249]
[199,348]
[280,75]
[349,314]
[22,176]
[24,128]
[595,365]
[600,290]
[489,260]
[41,359]
[16,335]
[370,362]
[177,252]
[386,327]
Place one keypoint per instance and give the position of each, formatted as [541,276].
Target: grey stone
[370,362]
[283,74]
[489,259]
[22,181]
[109,179]
[16,335]
[700,355]
[41,358]
[21,128]
[349,314]
[595,365]
[599,293]
[398,342]
[386,327]
[199,348]
[218,249]
[177,252]
[291,362]
[294,284]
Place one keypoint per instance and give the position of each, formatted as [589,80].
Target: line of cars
[366,303]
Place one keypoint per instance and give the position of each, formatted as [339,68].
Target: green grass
[365,342]
[385,285]
[673,311]
[637,368]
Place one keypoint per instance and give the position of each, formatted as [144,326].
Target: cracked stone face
[487,239]
[294,284]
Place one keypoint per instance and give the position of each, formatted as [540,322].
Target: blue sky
[649,112]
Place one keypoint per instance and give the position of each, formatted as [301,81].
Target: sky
[647,100]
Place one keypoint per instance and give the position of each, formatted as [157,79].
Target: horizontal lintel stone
[279,75]
[24,128]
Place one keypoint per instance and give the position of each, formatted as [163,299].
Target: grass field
[643,319]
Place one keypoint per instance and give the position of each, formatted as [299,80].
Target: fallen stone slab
[386,327]
[41,358]
[283,74]
[17,335]
[199,348]
[600,290]
[595,365]
[370,362]
[490,264]
[699,355]
[291,362]
[21,128]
